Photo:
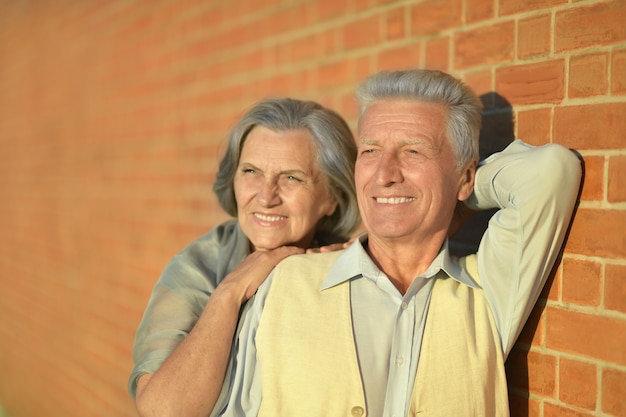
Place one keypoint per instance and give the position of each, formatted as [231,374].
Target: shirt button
[404,305]
[400,360]
[357,411]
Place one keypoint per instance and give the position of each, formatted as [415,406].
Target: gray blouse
[182,292]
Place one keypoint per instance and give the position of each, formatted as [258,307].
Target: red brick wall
[112,117]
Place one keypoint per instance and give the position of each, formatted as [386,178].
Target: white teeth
[396,200]
[268,218]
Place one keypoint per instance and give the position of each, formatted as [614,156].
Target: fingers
[284,251]
[327,248]
[331,248]
[244,280]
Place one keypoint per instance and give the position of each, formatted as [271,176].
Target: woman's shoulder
[203,258]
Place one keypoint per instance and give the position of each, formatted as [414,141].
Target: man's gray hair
[464,106]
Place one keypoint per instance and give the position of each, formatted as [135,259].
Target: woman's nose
[268,195]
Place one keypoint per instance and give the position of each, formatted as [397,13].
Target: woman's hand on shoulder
[244,280]
[331,248]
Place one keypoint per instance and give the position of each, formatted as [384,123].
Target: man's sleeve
[535,189]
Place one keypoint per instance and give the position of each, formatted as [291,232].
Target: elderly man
[394,325]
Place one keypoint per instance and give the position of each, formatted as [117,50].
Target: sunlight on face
[281,194]
[406,177]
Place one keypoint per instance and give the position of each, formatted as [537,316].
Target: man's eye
[292,178]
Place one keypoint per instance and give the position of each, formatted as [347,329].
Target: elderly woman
[288,179]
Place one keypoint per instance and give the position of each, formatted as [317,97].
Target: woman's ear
[332,206]
[466,181]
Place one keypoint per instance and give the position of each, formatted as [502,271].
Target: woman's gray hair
[336,155]
[464,106]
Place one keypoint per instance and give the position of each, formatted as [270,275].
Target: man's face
[406,177]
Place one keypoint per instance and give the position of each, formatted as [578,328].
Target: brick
[534,126]
[554,410]
[348,108]
[522,406]
[617,179]
[586,26]
[582,281]
[480,81]
[588,75]
[364,66]
[593,182]
[591,126]
[335,75]
[516,6]
[362,33]
[538,83]
[370,4]
[281,20]
[532,371]
[395,24]
[618,72]
[578,383]
[552,290]
[534,36]
[433,16]
[614,392]
[399,58]
[477,10]
[615,288]
[438,54]
[533,332]
[485,45]
[299,49]
[604,337]
[597,232]
[329,9]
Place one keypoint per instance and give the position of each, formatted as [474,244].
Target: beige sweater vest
[308,358]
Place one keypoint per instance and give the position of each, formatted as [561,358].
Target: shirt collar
[354,262]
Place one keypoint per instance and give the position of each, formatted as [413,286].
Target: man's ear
[466,181]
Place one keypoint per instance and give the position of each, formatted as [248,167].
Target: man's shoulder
[313,260]
[303,275]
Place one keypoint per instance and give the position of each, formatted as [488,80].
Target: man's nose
[388,170]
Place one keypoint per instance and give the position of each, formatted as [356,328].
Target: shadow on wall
[497,132]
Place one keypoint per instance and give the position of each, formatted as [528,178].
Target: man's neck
[401,260]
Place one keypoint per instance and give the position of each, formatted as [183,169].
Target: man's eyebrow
[419,142]
[366,141]
[410,141]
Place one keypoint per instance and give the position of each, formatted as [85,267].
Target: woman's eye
[248,171]
[292,178]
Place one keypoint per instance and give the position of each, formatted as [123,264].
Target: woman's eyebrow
[297,172]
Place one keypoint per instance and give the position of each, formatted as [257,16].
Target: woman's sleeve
[176,303]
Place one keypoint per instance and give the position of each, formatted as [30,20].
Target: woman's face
[281,194]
